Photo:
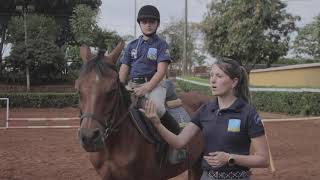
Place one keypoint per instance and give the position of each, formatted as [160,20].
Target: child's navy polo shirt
[228,130]
[143,56]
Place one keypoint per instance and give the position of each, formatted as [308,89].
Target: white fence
[8,119]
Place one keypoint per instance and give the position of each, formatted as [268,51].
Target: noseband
[109,124]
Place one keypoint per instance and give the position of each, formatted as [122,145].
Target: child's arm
[123,73]
[155,80]
[158,76]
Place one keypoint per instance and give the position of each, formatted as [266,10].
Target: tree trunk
[3,36]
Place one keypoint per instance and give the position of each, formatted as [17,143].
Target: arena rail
[40,120]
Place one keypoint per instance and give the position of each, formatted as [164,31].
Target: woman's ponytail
[242,88]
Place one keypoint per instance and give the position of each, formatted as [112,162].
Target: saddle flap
[145,128]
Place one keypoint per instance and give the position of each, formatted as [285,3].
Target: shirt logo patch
[134,54]
[234,125]
[152,54]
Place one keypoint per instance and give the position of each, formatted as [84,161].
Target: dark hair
[234,70]
[148,12]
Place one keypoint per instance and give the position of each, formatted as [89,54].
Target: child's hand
[141,91]
[151,113]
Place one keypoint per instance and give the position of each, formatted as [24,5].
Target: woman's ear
[235,82]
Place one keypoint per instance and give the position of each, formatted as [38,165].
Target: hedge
[40,100]
[305,103]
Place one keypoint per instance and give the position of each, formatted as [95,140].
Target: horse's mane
[97,64]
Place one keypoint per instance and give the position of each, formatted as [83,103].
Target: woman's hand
[217,159]
[151,113]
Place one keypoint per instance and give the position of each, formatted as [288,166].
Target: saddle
[144,126]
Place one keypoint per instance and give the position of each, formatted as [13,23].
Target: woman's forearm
[178,141]
[251,161]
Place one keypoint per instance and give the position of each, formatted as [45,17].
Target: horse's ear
[114,55]
[85,53]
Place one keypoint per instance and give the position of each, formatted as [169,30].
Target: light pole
[135,19]
[184,62]
[24,9]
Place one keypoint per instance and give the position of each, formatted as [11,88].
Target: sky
[118,15]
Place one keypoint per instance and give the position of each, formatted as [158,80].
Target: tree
[251,31]
[308,40]
[84,27]
[105,39]
[83,22]
[3,38]
[42,55]
[61,10]
[46,61]
[174,33]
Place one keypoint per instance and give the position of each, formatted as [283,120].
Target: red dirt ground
[55,154]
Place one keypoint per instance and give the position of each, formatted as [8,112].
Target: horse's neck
[127,132]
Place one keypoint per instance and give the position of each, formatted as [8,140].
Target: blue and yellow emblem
[234,125]
[152,54]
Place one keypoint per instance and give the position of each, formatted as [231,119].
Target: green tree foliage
[43,56]
[38,27]
[61,10]
[308,40]
[105,39]
[174,33]
[250,31]
[84,27]
[83,22]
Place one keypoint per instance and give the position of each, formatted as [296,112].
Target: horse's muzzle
[91,140]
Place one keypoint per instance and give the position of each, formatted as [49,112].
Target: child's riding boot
[175,156]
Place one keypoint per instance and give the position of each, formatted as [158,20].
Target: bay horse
[116,148]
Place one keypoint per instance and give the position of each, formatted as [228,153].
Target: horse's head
[99,97]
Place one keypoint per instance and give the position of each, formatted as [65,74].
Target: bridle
[109,124]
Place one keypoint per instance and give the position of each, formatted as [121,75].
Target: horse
[116,149]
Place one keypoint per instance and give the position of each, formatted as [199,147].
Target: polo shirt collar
[236,106]
[152,39]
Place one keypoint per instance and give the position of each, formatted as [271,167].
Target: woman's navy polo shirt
[229,130]
[143,56]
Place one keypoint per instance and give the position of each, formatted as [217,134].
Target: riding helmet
[148,12]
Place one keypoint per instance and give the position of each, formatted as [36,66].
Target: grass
[198,79]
